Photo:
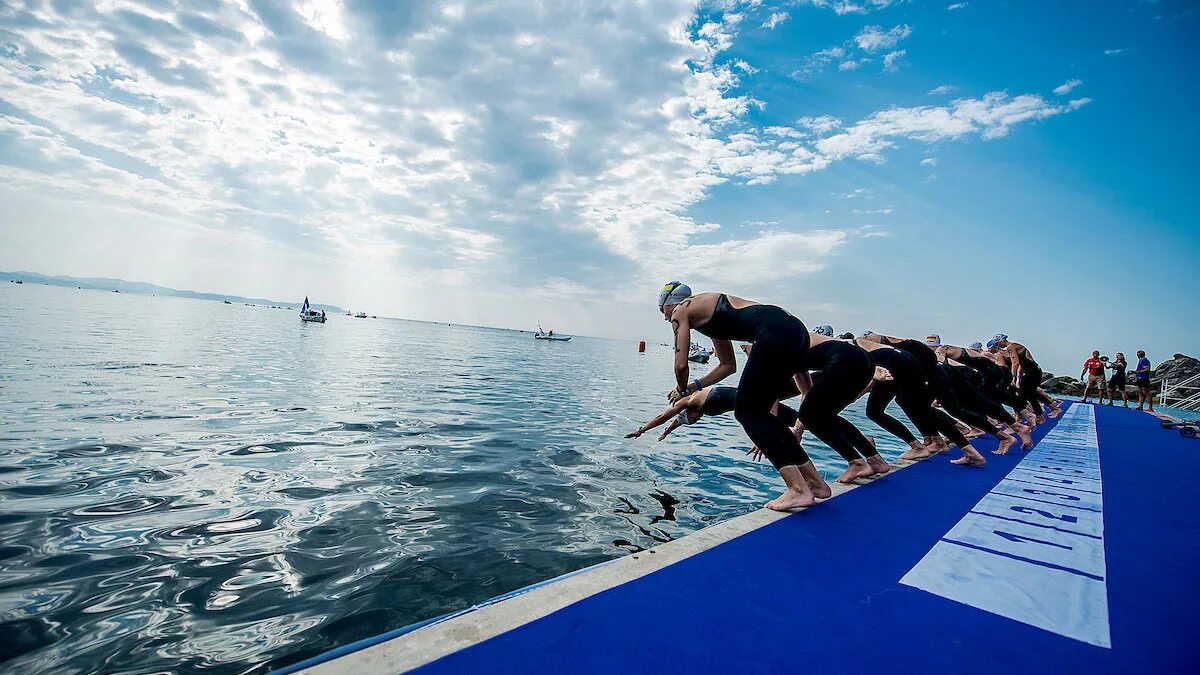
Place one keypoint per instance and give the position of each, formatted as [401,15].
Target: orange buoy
[642,347]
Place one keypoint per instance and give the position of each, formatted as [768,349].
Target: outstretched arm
[665,415]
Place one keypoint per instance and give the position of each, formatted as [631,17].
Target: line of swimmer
[950,394]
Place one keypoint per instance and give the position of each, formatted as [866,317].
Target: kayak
[552,338]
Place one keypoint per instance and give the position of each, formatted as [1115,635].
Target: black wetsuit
[846,370]
[780,349]
[1031,379]
[721,400]
[927,360]
[969,386]
[907,387]
[997,380]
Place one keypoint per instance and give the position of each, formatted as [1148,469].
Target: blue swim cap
[933,340]
[999,337]
[867,333]
[825,330]
[976,346]
[991,344]
[673,293]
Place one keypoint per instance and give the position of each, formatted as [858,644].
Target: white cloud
[463,145]
[852,64]
[942,89]
[890,60]
[929,161]
[822,124]
[775,19]
[883,211]
[957,5]
[851,7]
[744,67]
[874,39]
[1067,86]
[1114,52]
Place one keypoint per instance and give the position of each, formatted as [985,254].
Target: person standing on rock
[1093,368]
[1141,377]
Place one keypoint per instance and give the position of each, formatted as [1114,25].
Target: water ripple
[220,488]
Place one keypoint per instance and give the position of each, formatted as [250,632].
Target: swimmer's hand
[755,453]
[634,434]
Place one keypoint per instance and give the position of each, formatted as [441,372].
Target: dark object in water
[1187,429]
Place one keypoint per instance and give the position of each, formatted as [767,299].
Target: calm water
[187,485]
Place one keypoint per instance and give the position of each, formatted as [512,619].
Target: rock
[1179,368]
[1065,385]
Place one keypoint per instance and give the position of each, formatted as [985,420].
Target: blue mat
[821,589]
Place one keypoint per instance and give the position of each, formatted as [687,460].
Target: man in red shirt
[1094,369]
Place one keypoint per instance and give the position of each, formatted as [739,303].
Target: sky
[961,168]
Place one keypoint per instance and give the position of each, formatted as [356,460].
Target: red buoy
[642,347]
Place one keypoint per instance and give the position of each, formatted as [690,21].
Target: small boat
[360,315]
[698,354]
[542,334]
[309,314]
[227,302]
[20,282]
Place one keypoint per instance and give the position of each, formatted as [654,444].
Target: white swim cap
[825,330]
[673,293]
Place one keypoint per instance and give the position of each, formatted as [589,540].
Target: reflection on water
[187,485]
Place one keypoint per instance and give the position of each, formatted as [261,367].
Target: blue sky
[905,167]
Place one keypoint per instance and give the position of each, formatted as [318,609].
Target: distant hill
[148,289]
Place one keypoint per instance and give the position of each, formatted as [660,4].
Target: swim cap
[999,337]
[991,344]
[825,330]
[673,293]
[683,418]
[846,336]
[933,340]
[976,346]
[867,333]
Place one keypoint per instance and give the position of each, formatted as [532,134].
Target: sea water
[187,485]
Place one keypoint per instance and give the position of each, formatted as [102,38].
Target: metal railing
[1184,395]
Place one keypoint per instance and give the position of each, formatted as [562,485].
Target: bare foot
[857,469]
[971,457]
[1023,432]
[916,451]
[938,446]
[789,500]
[1006,442]
[1041,420]
[1055,412]
[820,489]
[974,433]
[878,464]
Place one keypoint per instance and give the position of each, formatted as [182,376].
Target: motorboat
[698,354]
[309,314]
[360,315]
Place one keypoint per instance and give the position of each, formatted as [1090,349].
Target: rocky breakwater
[1177,369]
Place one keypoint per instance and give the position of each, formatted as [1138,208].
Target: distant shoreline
[143,288]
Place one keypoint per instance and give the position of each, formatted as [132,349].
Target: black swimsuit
[780,349]
[846,370]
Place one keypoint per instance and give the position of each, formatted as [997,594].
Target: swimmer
[781,348]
